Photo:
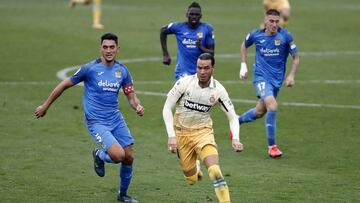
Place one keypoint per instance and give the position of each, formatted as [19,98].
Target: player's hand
[237,146]
[166,60]
[140,110]
[290,81]
[40,111]
[172,144]
[243,71]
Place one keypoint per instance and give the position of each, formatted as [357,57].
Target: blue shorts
[265,89]
[105,136]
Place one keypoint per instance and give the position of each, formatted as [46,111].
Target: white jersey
[193,103]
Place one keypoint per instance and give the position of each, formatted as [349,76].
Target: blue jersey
[271,54]
[101,89]
[186,40]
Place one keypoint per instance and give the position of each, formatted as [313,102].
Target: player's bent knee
[116,153]
[260,114]
[208,150]
[117,157]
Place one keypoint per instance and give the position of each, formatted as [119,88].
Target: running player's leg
[97,15]
[109,149]
[269,99]
[124,137]
[210,157]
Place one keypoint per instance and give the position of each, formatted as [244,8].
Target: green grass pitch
[49,160]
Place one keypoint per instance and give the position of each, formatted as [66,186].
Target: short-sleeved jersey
[193,103]
[101,89]
[186,41]
[271,54]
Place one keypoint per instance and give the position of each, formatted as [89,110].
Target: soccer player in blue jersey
[103,78]
[273,45]
[193,38]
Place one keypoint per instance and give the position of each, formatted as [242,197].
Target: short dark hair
[273,12]
[194,5]
[207,56]
[109,36]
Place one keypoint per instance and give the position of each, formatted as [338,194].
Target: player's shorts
[265,89]
[190,143]
[276,4]
[105,136]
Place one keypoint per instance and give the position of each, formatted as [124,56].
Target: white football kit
[193,103]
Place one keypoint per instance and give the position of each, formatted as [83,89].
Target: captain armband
[128,89]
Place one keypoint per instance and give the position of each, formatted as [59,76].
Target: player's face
[109,50]
[204,71]
[194,16]
[272,23]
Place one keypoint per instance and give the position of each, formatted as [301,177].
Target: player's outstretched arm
[163,42]
[234,125]
[290,79]
[41,110]
[235,129]
[169,123]
[243,68]
[135,103]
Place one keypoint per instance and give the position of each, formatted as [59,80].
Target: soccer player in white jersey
[103,78]
[190,131]
[273,46]
[193,38]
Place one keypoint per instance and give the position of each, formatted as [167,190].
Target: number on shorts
[98,138]
[261,86]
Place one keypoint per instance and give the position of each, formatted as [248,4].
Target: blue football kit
[100,101]
[270,59]
[268,74]
[186,41]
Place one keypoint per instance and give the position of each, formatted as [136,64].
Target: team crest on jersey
[199,35]
[212,99]
[118,74]
[277,42]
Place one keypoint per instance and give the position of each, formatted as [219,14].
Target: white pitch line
[62,74]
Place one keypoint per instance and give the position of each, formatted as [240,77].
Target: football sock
[103,155]
[220,186]
[270,126]
[125,178]
[248,116]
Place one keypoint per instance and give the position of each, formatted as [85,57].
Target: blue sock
[248,116]
[105,157]
[125,178]
[270,126]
